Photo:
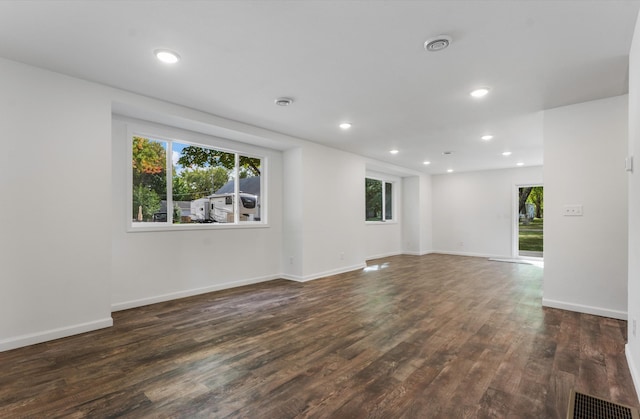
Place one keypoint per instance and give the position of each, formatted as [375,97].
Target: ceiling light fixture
[506,153]
[283,101]
[519,164]
[167,56]
[486,137]
[478,93]
[394,151]
[449,170]
[426,162]
[345,125]
[437,43]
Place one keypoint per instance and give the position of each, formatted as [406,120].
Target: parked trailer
[219,208]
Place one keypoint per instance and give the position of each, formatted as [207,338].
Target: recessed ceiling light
[426,162]
[449,170]
[519,164]
[394,151]
[437,43]
[506,153]
[167,56]
[283,101]
[487,137]
[478,93]
[345,125]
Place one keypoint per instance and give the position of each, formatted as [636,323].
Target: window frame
[217,143]
[394,194]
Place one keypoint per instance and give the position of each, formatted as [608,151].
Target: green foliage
[148,199]
[149,165]
[180,189]
[177,214]
[530,241]
[530,236]
[194,156]
[536,197]
[199,182]
[373,199]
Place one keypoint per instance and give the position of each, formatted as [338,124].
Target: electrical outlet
[341,255]
[291,260]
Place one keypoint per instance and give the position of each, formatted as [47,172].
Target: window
[176,182]
[379,200]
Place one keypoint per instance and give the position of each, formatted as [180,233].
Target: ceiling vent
[283,101]
[437,43]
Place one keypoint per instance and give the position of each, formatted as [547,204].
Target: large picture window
[379,200]
[176,182]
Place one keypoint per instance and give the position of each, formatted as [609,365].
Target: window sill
[133,228]
[379,223]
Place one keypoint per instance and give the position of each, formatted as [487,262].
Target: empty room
[322,209]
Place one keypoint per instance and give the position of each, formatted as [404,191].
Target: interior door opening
[530,221]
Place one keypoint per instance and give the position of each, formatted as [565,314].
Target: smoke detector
[437,43]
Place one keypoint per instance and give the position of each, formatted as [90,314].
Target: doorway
[530,222]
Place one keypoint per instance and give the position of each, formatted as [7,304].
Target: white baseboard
[125,305]
[311,277]
[580,308]
[472,254]
[412,253]
[383,255]
[633,370]
[47,335]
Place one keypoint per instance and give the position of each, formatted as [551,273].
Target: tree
[147,199]
[193,156]
[199,182]
[373,197]
[149,165]
[524,195]
[180,189]
[536,197]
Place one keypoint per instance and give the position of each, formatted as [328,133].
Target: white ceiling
[356,61]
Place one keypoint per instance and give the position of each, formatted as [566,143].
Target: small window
[175,182]
[378,200]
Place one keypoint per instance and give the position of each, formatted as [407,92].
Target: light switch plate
[572,210]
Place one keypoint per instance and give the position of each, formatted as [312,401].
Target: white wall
[148,267]
[293,214]
[66,256]
[55,174]
[586,257]
[332,207]
[474,211]
[417,225]
[633,346]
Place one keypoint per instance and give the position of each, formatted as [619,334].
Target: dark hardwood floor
[409,337]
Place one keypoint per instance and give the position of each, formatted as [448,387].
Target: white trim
[580,308]
[633,370]
[195,226]
[61,332]
[404,252]
[190,292]
[298,278]
[382,255]
[412,253]
[472,254]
